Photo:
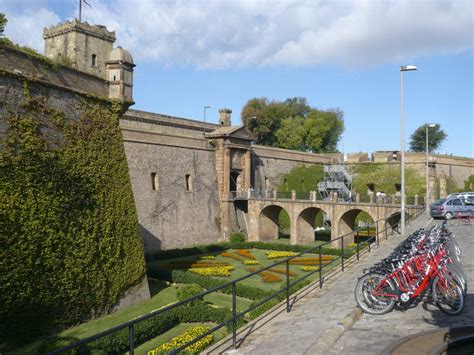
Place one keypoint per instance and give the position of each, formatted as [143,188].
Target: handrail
[236,315]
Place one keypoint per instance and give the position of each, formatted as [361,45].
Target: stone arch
[305,225]
[268,222]
[346,224]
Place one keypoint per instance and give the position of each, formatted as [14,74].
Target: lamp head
[432,125]
[208,106]
[408,68]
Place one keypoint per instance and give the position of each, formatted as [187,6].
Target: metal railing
[382,229]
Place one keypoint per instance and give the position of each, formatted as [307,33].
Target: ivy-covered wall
[69,237]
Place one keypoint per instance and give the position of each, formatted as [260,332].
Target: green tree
[3,22]
[293,124]
[436,136]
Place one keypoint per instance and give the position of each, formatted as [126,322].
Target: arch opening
[359,220]
[312,225]
[269,223]
[235,181]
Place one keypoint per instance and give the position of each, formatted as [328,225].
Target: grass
[162,296]
[174,332]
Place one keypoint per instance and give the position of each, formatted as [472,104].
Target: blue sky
[343,54]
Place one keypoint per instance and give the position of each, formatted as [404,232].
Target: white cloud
[231,33]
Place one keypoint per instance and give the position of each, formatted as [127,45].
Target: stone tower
[224,116]
[87,47]
[119,73]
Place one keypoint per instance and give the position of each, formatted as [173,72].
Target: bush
[237,237]
[189,291]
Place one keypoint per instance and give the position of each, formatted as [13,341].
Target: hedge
[68,225]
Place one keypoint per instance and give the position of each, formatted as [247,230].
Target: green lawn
[239,268]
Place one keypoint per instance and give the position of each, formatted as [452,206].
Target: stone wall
[42,71]
[170,216]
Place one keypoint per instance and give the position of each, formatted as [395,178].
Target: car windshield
[439,202]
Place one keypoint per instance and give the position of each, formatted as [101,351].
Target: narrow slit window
[94,60]
[154,182]
[115,78]
[189,183]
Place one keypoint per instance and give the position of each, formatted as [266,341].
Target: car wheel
[448,215]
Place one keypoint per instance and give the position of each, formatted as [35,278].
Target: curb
[333,334]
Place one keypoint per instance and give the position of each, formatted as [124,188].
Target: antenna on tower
[80,8]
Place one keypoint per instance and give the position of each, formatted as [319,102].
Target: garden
[178,274]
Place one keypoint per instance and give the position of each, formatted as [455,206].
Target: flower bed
[188,265]
[308,268]
[245,253]
[251,262]
[279,254]
[207,257]
[184,338]
[230,255]
[266,276]
[311,261]
[282,271]
[213,271]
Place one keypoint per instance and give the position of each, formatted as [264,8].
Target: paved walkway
[371,334]
[296,332]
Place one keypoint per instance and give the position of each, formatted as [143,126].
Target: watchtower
[87,47]
[119,73]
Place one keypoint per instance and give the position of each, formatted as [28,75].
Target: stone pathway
[371,334]
[296,332]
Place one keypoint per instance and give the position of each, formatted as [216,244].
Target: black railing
[383,228]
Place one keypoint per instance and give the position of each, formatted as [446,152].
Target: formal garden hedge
[68,226]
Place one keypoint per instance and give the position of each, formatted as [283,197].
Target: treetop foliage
[3,22]
[436,137]
[293,124]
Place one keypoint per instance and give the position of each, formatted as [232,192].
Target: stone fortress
[187,176]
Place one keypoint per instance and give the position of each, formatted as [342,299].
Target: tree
[293,124]
[436,136]
[3,22]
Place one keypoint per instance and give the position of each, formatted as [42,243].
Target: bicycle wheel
[447,295]
[454,221]
[365,298]
[459,276]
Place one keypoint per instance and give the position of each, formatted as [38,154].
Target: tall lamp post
[427,171]
[402,148]
[205,108]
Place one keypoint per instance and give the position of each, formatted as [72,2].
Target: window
[154,182]
[115,78]
[457,202]
[189,183]
[94,60]
[449,203]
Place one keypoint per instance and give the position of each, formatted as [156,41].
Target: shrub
[213,271]
[237,237]
[207,257]
[232,256]
[279,254]
[251,262]
[188,291]
[186,337]
[253,293]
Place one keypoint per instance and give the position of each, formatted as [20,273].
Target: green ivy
[68,225]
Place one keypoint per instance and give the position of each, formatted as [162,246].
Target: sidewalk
[299,331]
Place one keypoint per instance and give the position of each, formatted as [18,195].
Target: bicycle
[458,217]
[423,261]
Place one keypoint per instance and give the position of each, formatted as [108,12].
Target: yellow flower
[279,254]
[184,338]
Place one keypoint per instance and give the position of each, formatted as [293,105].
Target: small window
[154,182]
[189,183]
[115,78]
[449,203]
[94,60]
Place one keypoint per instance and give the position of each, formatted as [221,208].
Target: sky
[342,54]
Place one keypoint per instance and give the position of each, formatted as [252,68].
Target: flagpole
[80,10]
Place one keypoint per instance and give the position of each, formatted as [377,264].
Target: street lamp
[205,108]
[427,207]
[402,143]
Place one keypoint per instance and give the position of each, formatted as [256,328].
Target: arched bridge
[263,216]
